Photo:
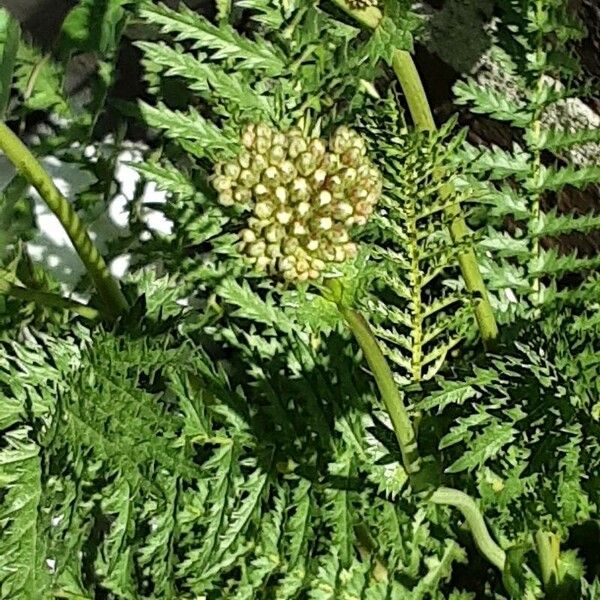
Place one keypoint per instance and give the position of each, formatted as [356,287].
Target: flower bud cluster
[304,194]
[362,4]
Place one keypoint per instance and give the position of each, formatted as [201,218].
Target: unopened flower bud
[270,177]
[298,228]
[260,190]
[284,216]
[232,170]
[319,177]
[263,262]
[350,249]
[273,250]
[248,178]
[324,198]
[263,130]
[281,194]
[263,210]
[279,139]
[257,248]
[342,210]
[262,144]
[305,163]
[277,155]
[297,146]
[287,263]
[351,157]
[221,183]
[244,160]
[248,136]
[242,196]
[226,198]
[288,171]
[260,163]
[248,236]
[325,223]
[303,209]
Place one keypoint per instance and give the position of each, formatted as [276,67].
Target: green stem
[48,299]
[548,550]
[406,71]
[412,86]
[404,430]
[108,288]
[467,506]
[387,387]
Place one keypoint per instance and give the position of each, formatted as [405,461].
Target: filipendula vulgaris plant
[193,131]
[272,217]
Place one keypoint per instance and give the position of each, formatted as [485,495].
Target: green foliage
[519,185]
[224,439]
[527,427]
[419,309]
[139,469]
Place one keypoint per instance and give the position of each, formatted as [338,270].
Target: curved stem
[108,288]
[390,395]
[467,506]
[412,86]
[48,299]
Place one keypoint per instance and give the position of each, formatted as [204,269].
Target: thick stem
[481,536]
[387,387]
[108,288]
[48,299]
[412,86]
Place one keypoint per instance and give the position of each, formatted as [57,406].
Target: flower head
[302,195]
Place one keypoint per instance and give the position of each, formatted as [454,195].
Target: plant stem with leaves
[109,290]
[405,432]
[412,86]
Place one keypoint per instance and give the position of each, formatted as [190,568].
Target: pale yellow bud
[342,210]
[257,248]
[262,145]
[319,177]
[248,236]
[260,189]
[318,264]
[243,196]
[221,183]
[277,154]
[298,228]
[263,210]
[287,170]
[244,160]
[324,198]
[303,209]
[325,223]
[281,194]
[262,262]
[232,170]
[284,217]
[274,233]
[270,177]
[226,198]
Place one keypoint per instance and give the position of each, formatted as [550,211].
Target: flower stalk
[111,296]
[405,432]
[390,395]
